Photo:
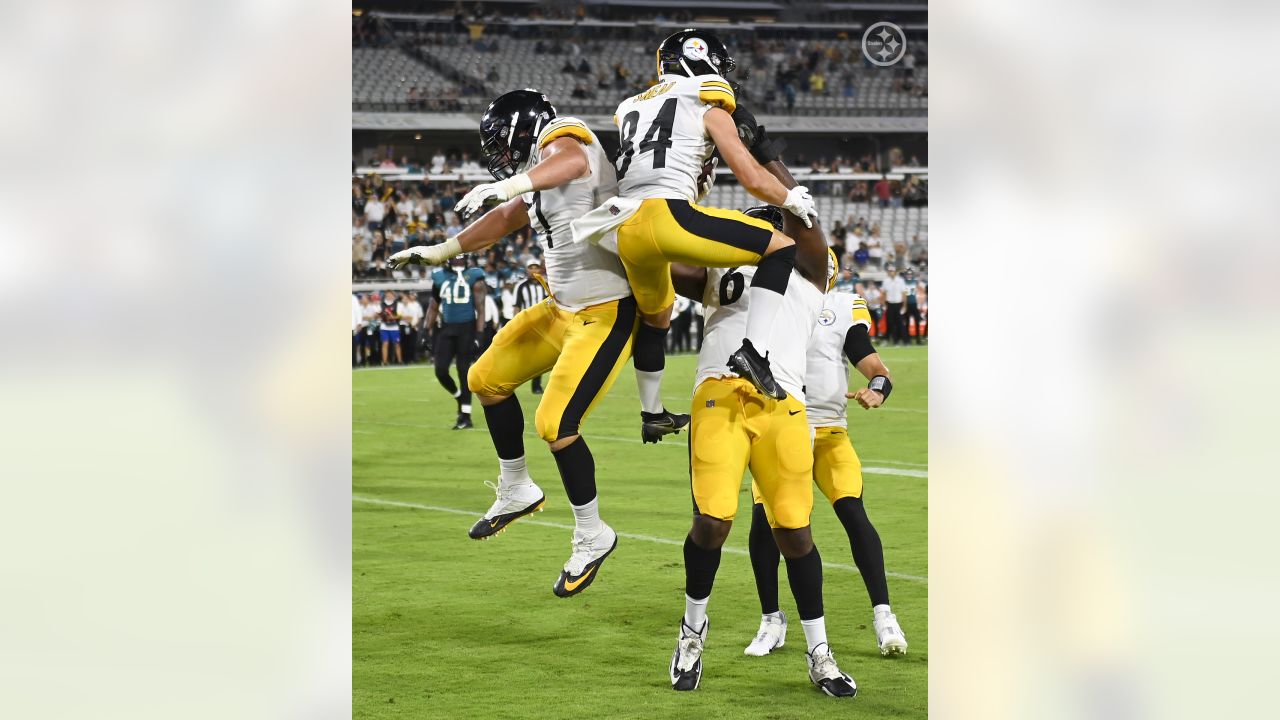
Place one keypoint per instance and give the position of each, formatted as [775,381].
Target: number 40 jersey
[726,301]
[663,141]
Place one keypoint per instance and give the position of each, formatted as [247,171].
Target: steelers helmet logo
[826,317]
[695,49]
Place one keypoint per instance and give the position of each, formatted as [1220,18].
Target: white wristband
[513,186]
[445,250]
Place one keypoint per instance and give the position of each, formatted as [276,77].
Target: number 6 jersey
[663,142]
[726,301]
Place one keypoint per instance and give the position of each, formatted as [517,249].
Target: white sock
[878,610]
[466,409]
[774,615]
[586,518]
[514,472]
[457,394]
[760,316]
[650,385]
[695,612]
[815,632]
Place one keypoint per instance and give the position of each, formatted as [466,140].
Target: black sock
[700,567]
[648,352]
[764,560]
[773,271]
[805,576]
[577,471]
[506,428]
[868,553]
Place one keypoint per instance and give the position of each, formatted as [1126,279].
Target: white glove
[707,178]
[426,254]
[800,203]
[493,193]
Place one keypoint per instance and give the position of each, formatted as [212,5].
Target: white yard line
[629,536]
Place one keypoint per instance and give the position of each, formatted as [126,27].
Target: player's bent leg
[517,352]
[593,540]
[648,354]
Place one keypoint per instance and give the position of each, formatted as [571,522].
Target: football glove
[800,203]
[707,177]
[493,193]
[426,254]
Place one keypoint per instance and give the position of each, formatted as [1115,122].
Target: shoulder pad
[715,90]
[565,127]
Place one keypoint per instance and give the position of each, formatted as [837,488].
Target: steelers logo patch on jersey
[826,317]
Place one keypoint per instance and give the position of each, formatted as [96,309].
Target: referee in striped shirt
[529,292]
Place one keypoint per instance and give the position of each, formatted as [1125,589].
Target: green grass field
[447,627]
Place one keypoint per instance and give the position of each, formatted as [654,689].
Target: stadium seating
[383,77]
[897,224]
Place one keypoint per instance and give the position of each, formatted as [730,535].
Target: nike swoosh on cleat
[573,585]
[789,412]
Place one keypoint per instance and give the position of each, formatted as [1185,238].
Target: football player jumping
[841,333]
[549,170]
[734,428]
[668,134]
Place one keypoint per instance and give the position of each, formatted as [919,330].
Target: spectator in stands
[357,321]
[437,161]
[454,226]
[848,89]
[859,191]
[884,192]
[862,255]
[875,304]
[584,67]
[817,83]
[374,212]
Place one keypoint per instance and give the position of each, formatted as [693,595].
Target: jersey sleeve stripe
[566,128]
[716,83]
[722,98]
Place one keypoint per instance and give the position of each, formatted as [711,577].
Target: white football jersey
[827,375]
[663,140]
[726,303]
[580,274]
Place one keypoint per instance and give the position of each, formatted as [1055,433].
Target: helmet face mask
[510,127]
[693,52]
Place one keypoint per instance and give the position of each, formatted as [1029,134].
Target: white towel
[598,226]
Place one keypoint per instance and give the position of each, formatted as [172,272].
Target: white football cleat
[824,673]
[889,634]
[686,661]
[772,635]
[589,553]
[513,503]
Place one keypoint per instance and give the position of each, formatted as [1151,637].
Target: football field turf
[447,627]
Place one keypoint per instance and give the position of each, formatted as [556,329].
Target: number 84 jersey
[663,141]
[727,303]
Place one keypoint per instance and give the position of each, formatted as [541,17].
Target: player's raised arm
[563,160]
[495,225]
[755,178]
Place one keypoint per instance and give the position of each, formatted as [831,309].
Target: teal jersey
[453,291]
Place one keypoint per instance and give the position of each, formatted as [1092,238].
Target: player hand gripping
[800,203]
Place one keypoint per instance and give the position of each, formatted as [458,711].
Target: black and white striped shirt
[529,292]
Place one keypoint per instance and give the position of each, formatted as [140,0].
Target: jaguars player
[734,428]
[549,170]
[457,300]
[667,134]
[841,334]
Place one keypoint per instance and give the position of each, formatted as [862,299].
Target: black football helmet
[771,214]
[693,52]
[510,126]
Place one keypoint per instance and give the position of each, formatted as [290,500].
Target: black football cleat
[828,677]
[512,504]
[654,425]
[464,422]
[686,661]
[748,363]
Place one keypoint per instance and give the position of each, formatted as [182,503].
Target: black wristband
[881,385]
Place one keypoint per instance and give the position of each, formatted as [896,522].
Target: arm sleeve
[857,344]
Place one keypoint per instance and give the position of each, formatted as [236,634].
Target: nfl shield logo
[711,403]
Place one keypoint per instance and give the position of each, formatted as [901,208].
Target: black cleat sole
[584,580]
[485,529]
